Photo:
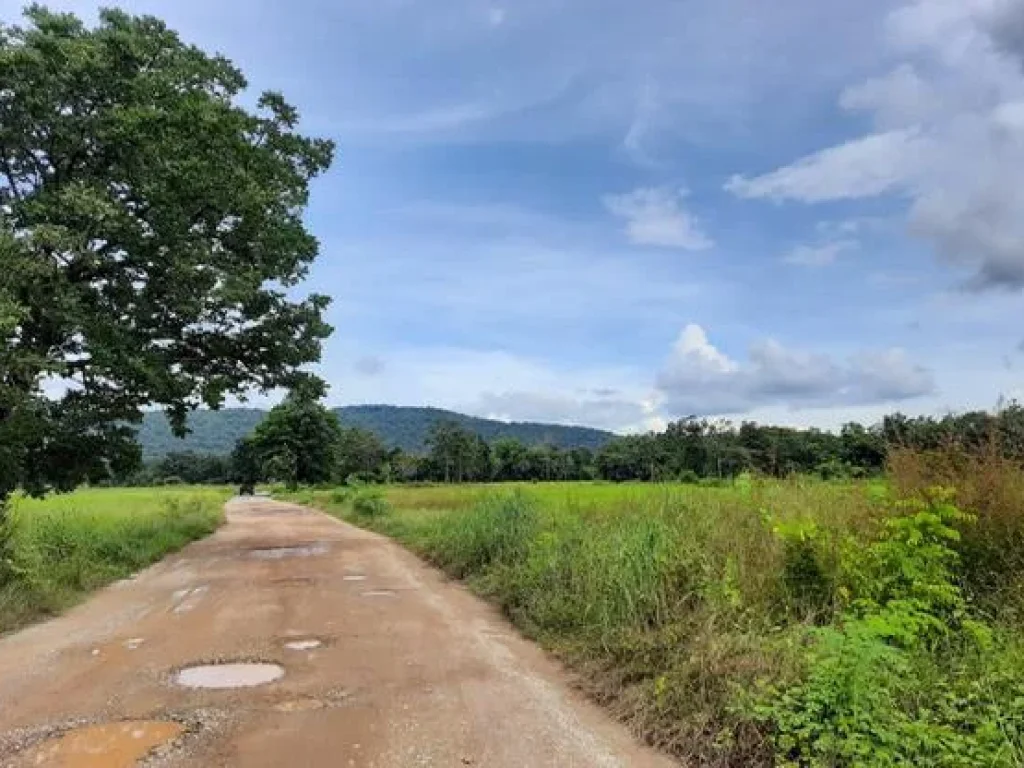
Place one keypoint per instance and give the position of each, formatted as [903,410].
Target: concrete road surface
[379,662]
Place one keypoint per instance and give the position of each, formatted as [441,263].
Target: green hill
[399,427]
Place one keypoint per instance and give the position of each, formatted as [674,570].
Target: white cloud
[698,379]
[818,255]
[656,216]
[950,122]
[864,167]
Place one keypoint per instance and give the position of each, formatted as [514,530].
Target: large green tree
[298,441]
[150,230]
[361,453]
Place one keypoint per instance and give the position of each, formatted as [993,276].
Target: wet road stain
[280,553]
[107,745]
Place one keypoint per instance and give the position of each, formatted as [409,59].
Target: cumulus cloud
[949,136]
[657,216]
[698,379]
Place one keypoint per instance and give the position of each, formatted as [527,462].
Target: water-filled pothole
[303,645]
[220,676]
[107,745]
[279,553]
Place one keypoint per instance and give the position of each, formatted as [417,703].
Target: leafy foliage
[150,227]
[298,441]
[869,696]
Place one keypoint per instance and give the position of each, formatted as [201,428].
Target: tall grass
[64,546]
[991,488]
[684,607]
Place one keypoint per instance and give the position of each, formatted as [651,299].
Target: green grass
[691,610]
[64,546]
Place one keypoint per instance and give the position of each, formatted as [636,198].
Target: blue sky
[615,214]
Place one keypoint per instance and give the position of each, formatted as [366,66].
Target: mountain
[398,426]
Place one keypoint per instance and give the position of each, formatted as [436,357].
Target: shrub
[887,685]
[370,502]
[807,584]
[990,487]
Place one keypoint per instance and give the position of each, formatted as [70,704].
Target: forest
[689,450]
[405,427]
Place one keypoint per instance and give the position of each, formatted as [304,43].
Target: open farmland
[763,622]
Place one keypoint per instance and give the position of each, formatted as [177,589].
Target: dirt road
[381,663]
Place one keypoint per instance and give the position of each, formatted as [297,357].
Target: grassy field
[790,623]
[64,546]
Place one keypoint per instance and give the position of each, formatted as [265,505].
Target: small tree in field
[298,441]
[149,229]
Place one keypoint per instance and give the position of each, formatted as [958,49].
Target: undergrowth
[62,547]
[795,623]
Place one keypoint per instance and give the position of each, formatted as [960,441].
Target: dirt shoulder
[385,662]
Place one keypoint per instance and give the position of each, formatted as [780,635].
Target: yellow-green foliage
[678,604]
[66,545]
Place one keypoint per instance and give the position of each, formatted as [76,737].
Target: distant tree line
[302,442]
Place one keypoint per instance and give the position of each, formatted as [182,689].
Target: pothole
[221,676]
[107,745]
[280,553]
[303,645]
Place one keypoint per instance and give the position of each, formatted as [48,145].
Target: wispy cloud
[820,255]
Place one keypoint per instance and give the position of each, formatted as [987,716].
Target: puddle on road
[280,553]
[222,676]
[108,745]
[303,645]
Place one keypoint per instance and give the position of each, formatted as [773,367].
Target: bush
[340,496]
[886,685]
[990,488]
[370,503]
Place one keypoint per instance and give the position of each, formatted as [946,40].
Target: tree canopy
[150,229]
[298,442]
